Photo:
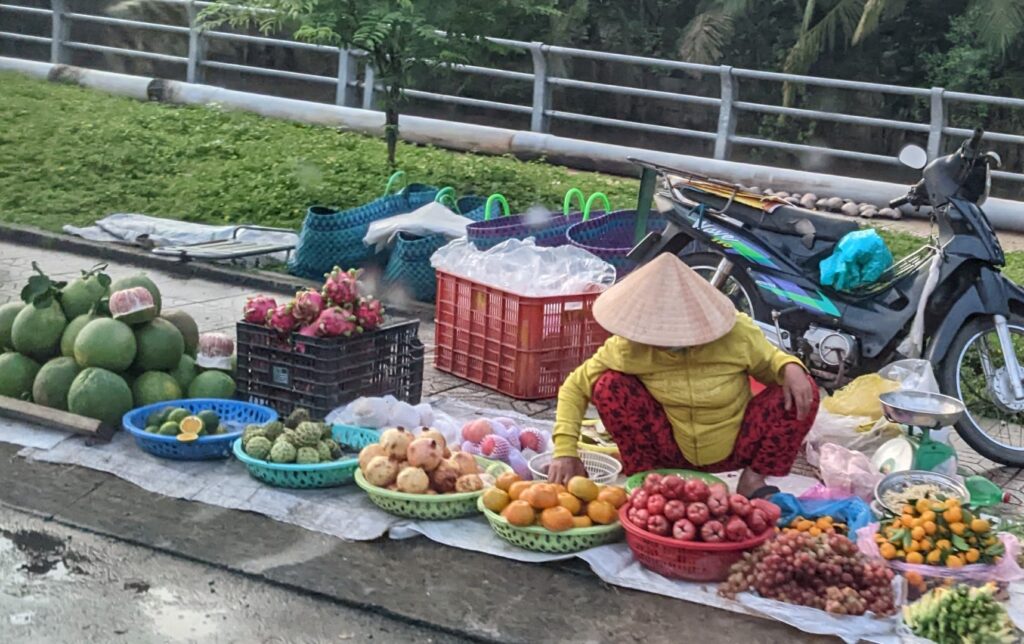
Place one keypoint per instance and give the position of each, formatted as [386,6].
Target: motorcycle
[947,302]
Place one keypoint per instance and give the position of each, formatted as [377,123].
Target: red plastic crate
[522,346]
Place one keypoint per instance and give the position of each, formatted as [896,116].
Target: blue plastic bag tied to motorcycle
[860,258]
[852,511]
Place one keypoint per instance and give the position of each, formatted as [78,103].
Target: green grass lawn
[70,156]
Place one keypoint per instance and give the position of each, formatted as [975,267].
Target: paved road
[60,584]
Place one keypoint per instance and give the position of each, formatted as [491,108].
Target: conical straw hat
[665,304]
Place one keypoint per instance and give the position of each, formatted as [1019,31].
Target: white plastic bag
[431,219]
[848,472]
[403,415]
[522,267]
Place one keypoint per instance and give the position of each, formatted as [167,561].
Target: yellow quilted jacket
[704,389]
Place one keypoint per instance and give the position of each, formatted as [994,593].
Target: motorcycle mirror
[913,156]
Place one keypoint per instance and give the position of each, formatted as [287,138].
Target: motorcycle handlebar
[896,203]
[975,143]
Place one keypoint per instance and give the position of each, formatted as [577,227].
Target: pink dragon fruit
[341,287]
[308,305]
[281,318]
[370,314]
[309,330]
[334,322]
[257,309]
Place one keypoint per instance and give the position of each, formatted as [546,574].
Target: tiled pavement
[216,306]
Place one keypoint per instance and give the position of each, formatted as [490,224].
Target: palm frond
[705,37]
[831,32]
[1001,22]
[872,15]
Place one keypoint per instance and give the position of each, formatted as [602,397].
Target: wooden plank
[54,418]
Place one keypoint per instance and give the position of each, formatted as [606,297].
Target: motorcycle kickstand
[1013,370]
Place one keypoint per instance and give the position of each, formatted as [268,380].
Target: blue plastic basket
[355,437]
[234,413]
[611,237]
[330,237]
[318,475]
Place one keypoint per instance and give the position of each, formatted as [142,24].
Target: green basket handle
[567,202]
[397,176]
[500,199]
[590,202]
[446,196]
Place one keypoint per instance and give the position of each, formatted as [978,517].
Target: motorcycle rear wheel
[994,422]
[738,287]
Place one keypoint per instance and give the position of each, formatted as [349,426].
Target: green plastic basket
[540,539]
[304,477]
[355,437]
[637,479]
[429,506]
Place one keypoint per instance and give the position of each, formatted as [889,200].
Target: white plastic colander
[601,468]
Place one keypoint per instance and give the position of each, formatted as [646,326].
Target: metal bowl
[898,481]
[921,409]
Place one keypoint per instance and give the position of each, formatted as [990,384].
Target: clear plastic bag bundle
[524,268]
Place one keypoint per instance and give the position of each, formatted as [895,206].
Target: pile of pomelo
[63,348]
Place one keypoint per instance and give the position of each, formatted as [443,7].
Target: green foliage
[73,155]
[401,37]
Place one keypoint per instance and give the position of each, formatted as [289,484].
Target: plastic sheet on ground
[149,232]
[18,432]
[345,512]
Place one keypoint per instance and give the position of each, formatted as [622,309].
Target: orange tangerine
[519,513]
[602,512]
[915,558]
[569,502]
[506,480]
[557,519]
[980,525]
[516,488]
[612,494]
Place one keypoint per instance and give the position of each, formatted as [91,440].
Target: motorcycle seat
[786,220]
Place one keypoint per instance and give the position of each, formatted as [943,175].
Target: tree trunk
[391,133]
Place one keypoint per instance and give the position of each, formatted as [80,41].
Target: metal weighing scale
[921,413]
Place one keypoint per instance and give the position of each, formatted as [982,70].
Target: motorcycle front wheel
[738,286]
[974,372]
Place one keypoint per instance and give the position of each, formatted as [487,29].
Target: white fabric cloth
[431,219]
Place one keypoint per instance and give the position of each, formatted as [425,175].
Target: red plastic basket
[688,560]
[522,346]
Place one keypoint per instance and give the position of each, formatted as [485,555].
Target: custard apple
[307,456]
[323,450]
[250,432]
[258,447]
[308,434]
[298,416]
[288,436]
[273,429]
[282,452]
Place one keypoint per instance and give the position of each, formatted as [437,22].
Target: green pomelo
[17,372]
[185,372]
[176,415]
[210,420]
[138,280]
[188,327]
[160,346]
[212,384]
[105,343]
[36,331]
[8,312]
[52,383]
[79,296]
[100,394]
[71,331]
[153,387]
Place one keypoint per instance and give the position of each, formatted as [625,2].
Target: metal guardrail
[349,82]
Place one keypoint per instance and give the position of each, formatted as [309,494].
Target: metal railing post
[539,119]
[345,94]
[61,33]
[938,122]
[726,113]
[369,82]
[196,46]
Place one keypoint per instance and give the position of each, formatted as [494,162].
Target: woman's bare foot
[750,481]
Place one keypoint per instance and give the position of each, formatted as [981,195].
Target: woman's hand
[799,391]
[564,468]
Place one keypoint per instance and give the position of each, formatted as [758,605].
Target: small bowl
[896,481]
[601,468]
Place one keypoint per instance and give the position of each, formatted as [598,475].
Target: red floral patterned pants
[768,442]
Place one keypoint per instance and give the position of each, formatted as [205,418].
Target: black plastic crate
[320,374]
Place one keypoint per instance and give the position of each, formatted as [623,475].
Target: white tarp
[154,232]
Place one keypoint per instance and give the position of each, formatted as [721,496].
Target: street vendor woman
[672,384]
